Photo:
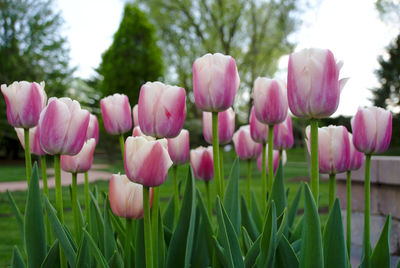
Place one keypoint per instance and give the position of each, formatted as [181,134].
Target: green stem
[87,202]
[367,196]
[270,158]
[221,166]
[122,145]
[208,198]
[249,183]
[154,222]
[314,161]
[75,207]
[127,251]
[264,175]
[217,171]
[59,200]
[46,193]
[28,161]
[147,227]
[348,212]
[176,196]
[332,190]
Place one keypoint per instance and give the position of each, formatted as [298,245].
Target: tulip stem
[367,242]
[176,196]
[249,183]
[270,158]
[208,198]
[46,193]
[28,161]
[147,226]
[264,175]
[57,175]
[87,203]
[314,161]
[154,222]
[122,145]
[217,171]
[75,206]
[348,212]
[221,166]
[127,250]
[332,190]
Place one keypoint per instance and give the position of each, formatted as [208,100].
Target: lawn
[295,171]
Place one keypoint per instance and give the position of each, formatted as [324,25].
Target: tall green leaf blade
[311,242]
[35,236]
[161,241]
[206,222]
[381,255]
[247,220]
[247,242]
[268,239]
[252,254]
[52,259]
[17,214]
[83,256]
[333,239]
[285,255]
[231,198]
[294,207]
[278,194]
[221,254]
[169,214]
[110,246]
[16,260]
[97,223]
[98,256]
[201,257]
[140,254]
[223,235]
[255,211]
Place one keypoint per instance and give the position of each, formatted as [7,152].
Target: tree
[33,49]
[133,58]
[389,11]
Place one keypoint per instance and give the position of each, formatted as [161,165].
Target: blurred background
[90,49]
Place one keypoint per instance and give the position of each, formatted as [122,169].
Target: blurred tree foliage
[32,48]
[133,58]
[389,11]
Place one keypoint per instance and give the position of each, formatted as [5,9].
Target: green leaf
[60,233]
[17,214]
[247,242]
[294,207]
[311,242]
[16,260]
[97,228]
[295,234]
[180,247]
[35,236]
[333,239]
[268,239]
[52,259]
[118,227]
[98,256]
[206,223]
[161,241]
[110,246]
[83,256]
[231,198]
[140,254]
[223,258]
[247,220]
[116,260]
[282,220]
[252,254]
[201,258]
[169,215]
[285,255]
[381,255]
[278,194]
[255,212]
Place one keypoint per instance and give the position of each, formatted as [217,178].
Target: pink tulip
[215,82]
[313,83]
[275,160]
[80,162]
[245,147]
[162,109]
[63,126]
[178,148]
[25,101]
[135,115]
[201,161]
[356,157]
[34,140]
[372,130]
[258,130]
[93,128]
[270,101]
[116,112]
[126,197]
[226,126]
[333,149]
[147,161]
[283,134]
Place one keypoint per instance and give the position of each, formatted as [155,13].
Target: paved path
[66,179]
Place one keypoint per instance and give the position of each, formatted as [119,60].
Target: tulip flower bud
[25,101]
[333,149]
[283,134]
[126,197]
[80,162]
[270,101]
[313,83]
[372,130]
[116,112]
[93,128]
[135,115]
[147,161]
[275,160]
[215,82]
[34,140]
[245,147]
[356,158]
[226,126]
[258,130]
[63,126]
[201,160]
[161,109]
[178,148]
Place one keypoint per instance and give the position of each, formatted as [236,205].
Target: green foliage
[133,58]
[381,255]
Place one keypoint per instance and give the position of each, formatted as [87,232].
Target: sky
[351,29]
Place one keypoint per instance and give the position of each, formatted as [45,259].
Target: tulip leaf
[294,207]
[181,244]
[221,254]
[35,236]
[60,233]
[201,258]
[206,222]
[247,221]
[140,254]
[252,254]
[268,239]
[295,234]
[231,198]
[118,227]
[311,242]
[282,220]
[98,256]
[97,228]
[109,241]
[115,260]
[381,255]
[285,255]
[247,242]
[278,194]
[16,260]
[161,241]
[255,211]
[17,214]
[53,256]
[83,256]
[334,242]
[169,214]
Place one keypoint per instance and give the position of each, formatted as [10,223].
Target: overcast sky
[351,29]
